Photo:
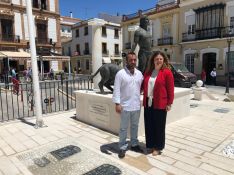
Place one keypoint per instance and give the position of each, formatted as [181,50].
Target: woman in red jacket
[158,89]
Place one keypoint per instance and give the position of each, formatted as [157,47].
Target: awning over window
[15,55]
[2,56]
[22,55]
[116,58]
[106,60]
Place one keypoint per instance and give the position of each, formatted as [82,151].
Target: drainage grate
[41,162]
[222,110]
[105,169]
[65,152]
[193,105]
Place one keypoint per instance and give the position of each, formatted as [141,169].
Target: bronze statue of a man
[143,38]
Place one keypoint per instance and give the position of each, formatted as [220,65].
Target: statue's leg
[142,63]
[147,58]
[100,85]
[108,86]
[140,68]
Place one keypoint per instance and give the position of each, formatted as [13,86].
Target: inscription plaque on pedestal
[99,113]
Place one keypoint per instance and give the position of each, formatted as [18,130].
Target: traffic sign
[51,99]
[46,100]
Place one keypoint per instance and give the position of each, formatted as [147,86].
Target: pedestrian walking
[51,73]
[126,97]
[213,76]
[29,74]
[203,77]
[13,73]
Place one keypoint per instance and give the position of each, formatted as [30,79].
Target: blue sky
[85,9]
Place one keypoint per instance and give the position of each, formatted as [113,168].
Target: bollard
[198,90]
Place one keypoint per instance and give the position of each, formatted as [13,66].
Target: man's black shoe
[121,154]
[137,149]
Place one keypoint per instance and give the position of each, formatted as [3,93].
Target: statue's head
[144,22]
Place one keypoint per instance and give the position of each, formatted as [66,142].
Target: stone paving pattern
[193,145]
[77,164]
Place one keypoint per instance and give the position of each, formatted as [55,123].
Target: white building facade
[14,35]
[66,24]
[164,27]
[205,28]
[108,38]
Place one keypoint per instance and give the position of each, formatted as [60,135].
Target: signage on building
[54,65]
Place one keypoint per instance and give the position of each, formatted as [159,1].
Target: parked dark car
[182,76]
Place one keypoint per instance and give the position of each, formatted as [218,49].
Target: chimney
[71,15]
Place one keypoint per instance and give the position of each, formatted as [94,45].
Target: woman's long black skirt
[155,124]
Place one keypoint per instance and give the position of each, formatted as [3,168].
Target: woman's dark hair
[151,66]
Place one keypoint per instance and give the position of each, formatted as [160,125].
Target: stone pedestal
[98,110]
[198,91]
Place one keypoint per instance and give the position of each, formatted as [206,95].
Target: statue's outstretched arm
[134,47]
[136,40]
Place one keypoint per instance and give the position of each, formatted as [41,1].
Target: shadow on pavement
[110,148]
[26,122]
[114,148]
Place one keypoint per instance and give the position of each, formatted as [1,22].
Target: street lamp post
[41,63]
[36,89]
[229,41]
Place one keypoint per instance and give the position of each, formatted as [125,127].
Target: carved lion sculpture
[107,72]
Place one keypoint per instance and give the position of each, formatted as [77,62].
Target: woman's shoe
[155,152]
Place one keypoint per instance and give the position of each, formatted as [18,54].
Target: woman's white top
[151,87]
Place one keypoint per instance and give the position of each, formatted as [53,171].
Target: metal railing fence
[17,100]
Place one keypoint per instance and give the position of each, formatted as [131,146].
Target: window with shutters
[77,33]
[189,62]
[87,65]
[232,21]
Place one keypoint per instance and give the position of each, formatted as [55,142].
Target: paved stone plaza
[194,145]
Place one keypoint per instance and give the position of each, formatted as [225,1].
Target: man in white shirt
[213,76]
[126,96]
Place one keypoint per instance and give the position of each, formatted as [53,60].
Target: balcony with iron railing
[41,40]
[86,52]
[210,33]
[156,9]
[104,35]
[105,53]
[188,36]
[167,6]
[165,41]
[41,6]
[9,38]
[116,36]
[128,45]
[117,53]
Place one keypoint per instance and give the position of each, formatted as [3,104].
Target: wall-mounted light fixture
[220,66]
[196,54]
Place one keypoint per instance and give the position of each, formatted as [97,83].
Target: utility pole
[36,89]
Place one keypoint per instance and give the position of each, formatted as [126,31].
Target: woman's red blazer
[163,94]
